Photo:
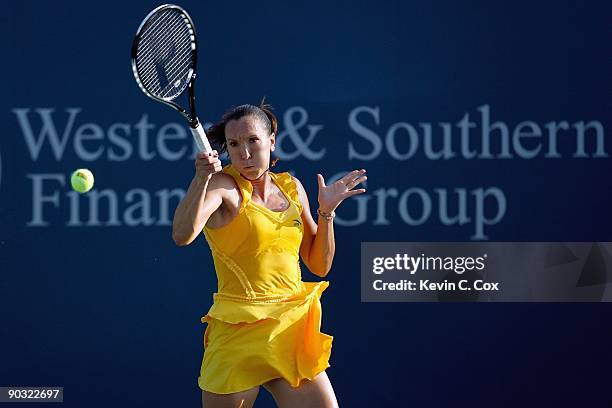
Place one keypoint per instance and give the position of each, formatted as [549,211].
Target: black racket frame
[190,115]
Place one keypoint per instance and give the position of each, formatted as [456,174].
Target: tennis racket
[164,55]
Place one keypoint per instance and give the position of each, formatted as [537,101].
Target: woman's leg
[243,399]
[317,393]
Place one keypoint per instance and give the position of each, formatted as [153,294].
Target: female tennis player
[264,325]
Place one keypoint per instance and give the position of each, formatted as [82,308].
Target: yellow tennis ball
[82,180]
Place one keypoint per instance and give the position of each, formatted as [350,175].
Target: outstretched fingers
[352,184]
[352,175]
[355,178]
[354,192]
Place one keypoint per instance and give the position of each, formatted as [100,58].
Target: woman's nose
[244,153]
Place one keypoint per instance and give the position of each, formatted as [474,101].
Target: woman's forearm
[323,247]
[190,213]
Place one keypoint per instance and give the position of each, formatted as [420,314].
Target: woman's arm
[202,199]
[318,244]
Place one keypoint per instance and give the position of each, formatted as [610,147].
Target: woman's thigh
[243,399]
[317,393]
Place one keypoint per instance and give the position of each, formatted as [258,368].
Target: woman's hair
[263,112]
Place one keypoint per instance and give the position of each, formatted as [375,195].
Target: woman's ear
[272,142]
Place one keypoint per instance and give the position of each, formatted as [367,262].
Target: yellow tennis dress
[264,322]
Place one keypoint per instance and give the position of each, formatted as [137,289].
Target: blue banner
[476,123]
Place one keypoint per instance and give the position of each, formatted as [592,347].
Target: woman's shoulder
[298,183]
[222,180]
[297,191]
[225,185]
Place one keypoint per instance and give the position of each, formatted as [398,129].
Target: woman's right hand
[207,164]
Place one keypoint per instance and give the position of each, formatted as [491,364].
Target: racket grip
[200,138]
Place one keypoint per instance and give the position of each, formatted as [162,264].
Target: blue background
[112,313]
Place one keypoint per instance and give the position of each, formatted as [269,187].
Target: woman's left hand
[331,196]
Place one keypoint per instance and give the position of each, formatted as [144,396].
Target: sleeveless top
[256,258]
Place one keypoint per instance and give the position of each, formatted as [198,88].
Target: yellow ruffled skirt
[248,343]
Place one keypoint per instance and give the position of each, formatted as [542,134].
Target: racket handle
[200,138]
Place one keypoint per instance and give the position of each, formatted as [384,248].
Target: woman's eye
[232,144]
[253,139]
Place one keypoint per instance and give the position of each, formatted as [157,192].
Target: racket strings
[151,69]
[161,29]
[157,24]
[166,61]
[152,45]
[177,63]
[164,58]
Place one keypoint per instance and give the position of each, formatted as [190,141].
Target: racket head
[164,55]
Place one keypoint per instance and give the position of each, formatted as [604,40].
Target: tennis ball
[82,180]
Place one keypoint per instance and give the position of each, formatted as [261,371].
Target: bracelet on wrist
[327,216]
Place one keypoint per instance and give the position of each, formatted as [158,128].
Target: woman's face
[249,145]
